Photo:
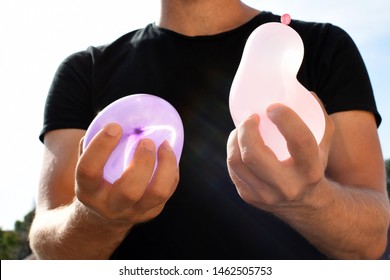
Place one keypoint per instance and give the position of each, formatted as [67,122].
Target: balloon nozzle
[285,19]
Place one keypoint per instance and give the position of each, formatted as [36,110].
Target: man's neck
[203,17]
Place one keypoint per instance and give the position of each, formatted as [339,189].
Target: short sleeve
[68,103]
[344,80]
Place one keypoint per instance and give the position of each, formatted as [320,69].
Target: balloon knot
[138,131]
[285,19]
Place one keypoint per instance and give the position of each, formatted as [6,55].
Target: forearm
[343,222]
[74,232]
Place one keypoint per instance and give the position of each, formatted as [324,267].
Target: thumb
[94,157]
[300,140]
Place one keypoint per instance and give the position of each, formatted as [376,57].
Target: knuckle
[314,176]
[238,182]
[134,195]
[246,196]
[233,161]
[161,194]
[128,192]
[86,170]
[248,157]
[290,193]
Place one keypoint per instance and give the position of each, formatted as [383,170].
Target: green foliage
[14,244]
[9,243]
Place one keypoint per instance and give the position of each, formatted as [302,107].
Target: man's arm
[80,215]
[334,194]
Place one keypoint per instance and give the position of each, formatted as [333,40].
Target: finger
[89,170]
[250,187]
[240,174]
[301,142]
[238,170]
[130,187]
[257,156]
[164,181]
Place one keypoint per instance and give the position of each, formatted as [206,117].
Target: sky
[37,35]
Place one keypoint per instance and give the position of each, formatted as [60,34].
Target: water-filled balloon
[140,116]
[267,74]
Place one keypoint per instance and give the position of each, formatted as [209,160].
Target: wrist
[87,215]
[317,199]
[321,196]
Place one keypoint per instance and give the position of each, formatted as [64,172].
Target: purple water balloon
[140,116]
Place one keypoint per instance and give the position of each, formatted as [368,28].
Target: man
[325,202]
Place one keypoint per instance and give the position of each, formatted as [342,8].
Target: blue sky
[37,35]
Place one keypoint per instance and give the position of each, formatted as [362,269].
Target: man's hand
[333,194]
[136,196]
[264,181]
[78,210]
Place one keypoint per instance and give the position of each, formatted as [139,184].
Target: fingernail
[165,145]
[254,116]
[148,145]
[113,130]
[273,110]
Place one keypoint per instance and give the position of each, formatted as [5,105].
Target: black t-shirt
[205,218]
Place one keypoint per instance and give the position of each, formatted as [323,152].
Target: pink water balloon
[140,116]
[267,74]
